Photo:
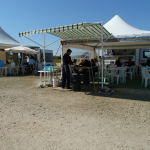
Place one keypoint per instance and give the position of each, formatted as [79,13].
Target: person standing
[31,64]
[65,69]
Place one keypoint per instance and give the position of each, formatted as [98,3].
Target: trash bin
[76,82]
[86,78]
[56,82]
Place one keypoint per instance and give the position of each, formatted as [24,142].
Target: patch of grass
[57,60]
[135,83]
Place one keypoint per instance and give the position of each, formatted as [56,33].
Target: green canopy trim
[72,32]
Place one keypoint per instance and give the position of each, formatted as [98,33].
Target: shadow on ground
[131,90]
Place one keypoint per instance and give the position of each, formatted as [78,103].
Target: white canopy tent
[6,40]
[118,27]
[124,36]
[21,49]
[127,36]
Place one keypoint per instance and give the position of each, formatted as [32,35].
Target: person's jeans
[32,69]
[65,76]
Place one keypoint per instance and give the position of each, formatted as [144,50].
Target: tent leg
[44,58]
[102,55]
[61,59]
[22,59]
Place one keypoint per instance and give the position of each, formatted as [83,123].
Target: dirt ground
[33,118]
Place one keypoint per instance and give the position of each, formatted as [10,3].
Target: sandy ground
[34,118]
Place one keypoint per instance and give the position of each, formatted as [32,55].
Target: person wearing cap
[65,69]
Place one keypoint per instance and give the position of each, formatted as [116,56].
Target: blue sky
[25,15]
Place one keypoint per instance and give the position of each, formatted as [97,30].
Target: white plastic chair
[3,69]
[13,67]
[140,69]
[131,72]
[100,70]
[111,66]
[107,74]
[12,64]
[98,73]
[145,76]
[121,74]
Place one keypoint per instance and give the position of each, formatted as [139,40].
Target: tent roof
[6,40]
[124,36]
[117,26]
[21,49]
[74,31]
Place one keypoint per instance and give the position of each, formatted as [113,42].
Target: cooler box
[48,68]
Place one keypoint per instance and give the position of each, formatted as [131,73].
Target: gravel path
[34,118]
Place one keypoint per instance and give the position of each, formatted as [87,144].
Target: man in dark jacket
[65,69]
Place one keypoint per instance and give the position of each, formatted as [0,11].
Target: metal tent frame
[79,31]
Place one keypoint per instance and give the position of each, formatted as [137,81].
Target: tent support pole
[44,58]
[33,41]
[102,55]
[61,59]
[22,59]
[98,55]
[40,44]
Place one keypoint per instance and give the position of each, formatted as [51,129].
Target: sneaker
[69,88]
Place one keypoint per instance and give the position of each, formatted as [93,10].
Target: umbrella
[21,49]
